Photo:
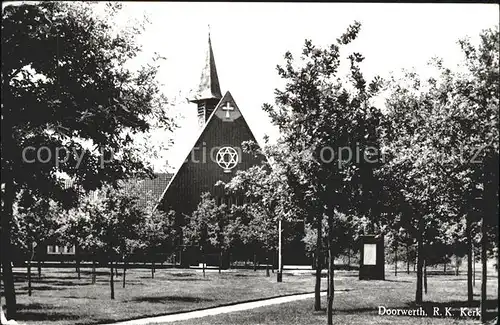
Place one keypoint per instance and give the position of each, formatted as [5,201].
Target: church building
[217,153]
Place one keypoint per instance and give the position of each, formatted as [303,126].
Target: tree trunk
[484,274]
[77,260]
[203,264]
[470,293]
[331,284]
[328,274]
[279,274]
[29,277]
[349,257]
[39,265]
[124,272]
[94,275]
[474,268]
[444,267]
[420,261]
[317,285]
[457,271]
[407,258]
[6,251]
[220,262]
[267,263]
[273,260]
[396,260]
[153,270]
[425,275]
[254,261]
[111,280]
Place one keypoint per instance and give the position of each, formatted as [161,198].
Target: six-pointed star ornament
[227,158]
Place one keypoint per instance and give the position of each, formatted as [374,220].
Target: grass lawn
[356,302]
[59,298]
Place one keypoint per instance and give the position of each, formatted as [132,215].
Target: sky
[250,39]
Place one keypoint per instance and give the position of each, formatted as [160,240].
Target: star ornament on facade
[227,158]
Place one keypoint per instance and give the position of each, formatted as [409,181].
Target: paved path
[217,310]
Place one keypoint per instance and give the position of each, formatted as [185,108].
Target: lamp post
[279,274]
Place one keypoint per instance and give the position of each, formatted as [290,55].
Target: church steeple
[208,94]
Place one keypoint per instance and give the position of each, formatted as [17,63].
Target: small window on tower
[201,115]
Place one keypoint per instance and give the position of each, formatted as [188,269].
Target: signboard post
[372,264]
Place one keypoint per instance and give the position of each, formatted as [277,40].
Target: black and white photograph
[239,163]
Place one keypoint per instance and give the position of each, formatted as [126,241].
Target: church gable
[216,155]
[227,110]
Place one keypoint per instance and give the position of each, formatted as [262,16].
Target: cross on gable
[228,108]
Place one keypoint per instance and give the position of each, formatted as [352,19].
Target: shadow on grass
[355,310]
[82,282]
[34,275]
[183,274]
[89,273]
[200,279]
[32,306]
[164,299]
[76,297]
[40,312]
[402,281]
[347,274]
[452,279]
[39,288]
[56,285]
[33,316]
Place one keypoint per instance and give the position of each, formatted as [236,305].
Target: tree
[442,140]
[70,102]
[268,199]
[476,99]
[117,219]
[34,222]
[157,234]
[412,164]
[321,117]
[74,229]
[217,231]
[205,225]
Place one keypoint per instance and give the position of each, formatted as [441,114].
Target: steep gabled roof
[220,112]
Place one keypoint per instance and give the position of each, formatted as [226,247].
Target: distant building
[154,186]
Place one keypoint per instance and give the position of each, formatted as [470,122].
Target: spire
[209,84]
